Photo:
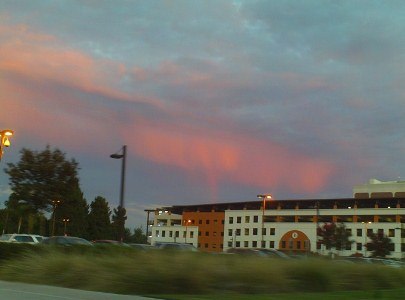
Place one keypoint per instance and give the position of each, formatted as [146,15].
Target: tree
[40,178]
[99,219]
[380,245]
[118,223]
[138,237]
[334,236]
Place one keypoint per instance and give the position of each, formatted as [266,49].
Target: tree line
[46,199]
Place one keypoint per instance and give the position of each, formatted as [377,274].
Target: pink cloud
[33,66]
[235,158]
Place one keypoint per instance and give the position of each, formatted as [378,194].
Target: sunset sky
[217,101]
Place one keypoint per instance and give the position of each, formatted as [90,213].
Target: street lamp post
[148,211]
[4,140]
[55,204]
[264,198]
[365,237]
[187,223]
[65,221]
[122,156]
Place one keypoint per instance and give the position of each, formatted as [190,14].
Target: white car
[21,238]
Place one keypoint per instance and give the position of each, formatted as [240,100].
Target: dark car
[176,246]
[273,253]
[245,252]
[66,241]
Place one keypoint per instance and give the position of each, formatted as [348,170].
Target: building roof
[289,204]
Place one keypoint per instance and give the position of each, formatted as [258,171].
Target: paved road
[23,291]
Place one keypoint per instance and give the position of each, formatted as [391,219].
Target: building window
[238,219]
[298,244]
[230,220]
[246,231]
[207,222]
[254,231]
[170,233]
[237,244]
[199,221]
[237,232]
[230,244]
[207,233]
[391,247]
[255,219]
[177,234]
[246,244]
[191,234]
[359,246]
[272,231]
[215,221]
[391,232]
[199,233]
[283,244]
[254,244]
[263,231]
[229,232]
[370,231]
[272,244]
[206,245]
[214,246]
[214,233]
[290,244]
[359,232]
[381,232]
[263,244]
[247,219]
[157,233]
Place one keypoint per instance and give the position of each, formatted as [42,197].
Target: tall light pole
[264,197]
[4,139]
[65,221]
[55,204]
[122,156]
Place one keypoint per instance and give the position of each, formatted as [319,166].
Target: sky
[216,100]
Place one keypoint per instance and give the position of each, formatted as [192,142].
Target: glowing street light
[55,204]
[264,197]
[188,222]
[65,221]
[4,139]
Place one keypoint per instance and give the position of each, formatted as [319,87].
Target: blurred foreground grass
[127,271]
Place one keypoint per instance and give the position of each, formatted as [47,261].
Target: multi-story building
[287,225]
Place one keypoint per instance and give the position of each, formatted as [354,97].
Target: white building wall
[242,228]
[175,234]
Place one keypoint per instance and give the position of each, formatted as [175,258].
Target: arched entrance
[295,241]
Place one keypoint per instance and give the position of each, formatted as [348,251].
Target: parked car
[142,247]
[176,246]
[246,252]
[273,253]
[66,241]
[21,238]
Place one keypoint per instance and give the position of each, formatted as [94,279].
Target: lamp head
[267,196]
[6,142]
[117,156]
